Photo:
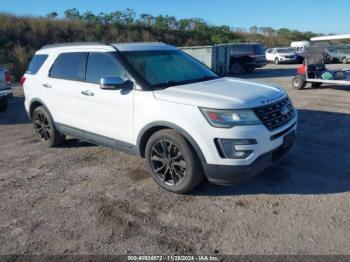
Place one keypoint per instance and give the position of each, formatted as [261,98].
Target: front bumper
[227,174]
[6,92]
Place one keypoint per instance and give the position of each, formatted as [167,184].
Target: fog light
[227,148]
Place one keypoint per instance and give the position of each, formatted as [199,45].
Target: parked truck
[227,59]
[5,88]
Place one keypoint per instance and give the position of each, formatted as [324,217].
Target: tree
[72,14]
[254,30]
[52,15]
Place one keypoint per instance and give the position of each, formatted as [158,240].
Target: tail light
[301,70]
[7,77]
[22,80]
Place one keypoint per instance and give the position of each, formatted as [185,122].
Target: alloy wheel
[168,162]
[42,126]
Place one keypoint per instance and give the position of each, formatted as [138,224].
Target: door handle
[47,85]
[87,93]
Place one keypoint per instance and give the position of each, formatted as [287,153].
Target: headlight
[230,118]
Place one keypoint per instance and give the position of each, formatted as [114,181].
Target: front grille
[271,115]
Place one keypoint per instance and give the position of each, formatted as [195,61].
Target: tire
[172,162]
[345,60]
[236,68]
[316,85]
[3,104]
[277,61]
[44,128]
[299,82]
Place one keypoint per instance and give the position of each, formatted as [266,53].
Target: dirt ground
[85,199]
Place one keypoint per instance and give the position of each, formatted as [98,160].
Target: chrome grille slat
[270,115]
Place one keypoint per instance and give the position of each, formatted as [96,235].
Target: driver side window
[102,65]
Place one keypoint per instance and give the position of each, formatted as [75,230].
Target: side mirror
[115,83]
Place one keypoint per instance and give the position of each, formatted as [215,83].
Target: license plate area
[288,140]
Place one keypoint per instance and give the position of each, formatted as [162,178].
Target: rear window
[258,49]
[70,66]
[243,48]
[36,63]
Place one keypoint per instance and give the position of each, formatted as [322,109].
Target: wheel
[316,85]
[345,60]
[3,104]
[172,162]
[277,61]
[299,82]
[45,129]
[237,68]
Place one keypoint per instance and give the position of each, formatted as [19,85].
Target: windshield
[163,68]
[285,50]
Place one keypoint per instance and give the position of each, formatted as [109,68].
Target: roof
[330,37]
[75,44]
[142,46]
[138,46]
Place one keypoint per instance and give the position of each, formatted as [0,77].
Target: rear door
[106,113]
[60,88]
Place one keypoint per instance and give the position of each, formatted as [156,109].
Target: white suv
[281,55]
[154,101]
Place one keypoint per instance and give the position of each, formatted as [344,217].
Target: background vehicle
[300,46]
[314,70]
[5,88]
[281,55]
[154,101]
[338,53]
[229,58]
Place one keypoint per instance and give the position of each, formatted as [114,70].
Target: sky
[319,16]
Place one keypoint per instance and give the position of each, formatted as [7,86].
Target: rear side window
[102,65]
[36,63]
[70,66]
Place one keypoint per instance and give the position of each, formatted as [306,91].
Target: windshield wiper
[174,83]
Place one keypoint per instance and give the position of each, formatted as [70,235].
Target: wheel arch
[154,127]
[35,103]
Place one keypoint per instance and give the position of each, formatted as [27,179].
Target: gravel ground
[85,199]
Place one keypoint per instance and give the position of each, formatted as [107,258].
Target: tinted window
[258,49]
[102,65]
[69,66]
[36,63]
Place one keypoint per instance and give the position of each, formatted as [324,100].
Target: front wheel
[45,129]
[3,104]
[172,162]
[299,82]
[345,60]
[277,61]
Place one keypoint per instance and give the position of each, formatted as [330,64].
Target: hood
[222,93]
[288,54]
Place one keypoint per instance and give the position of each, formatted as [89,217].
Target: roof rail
[71,44]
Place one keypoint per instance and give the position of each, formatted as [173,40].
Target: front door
[106,113]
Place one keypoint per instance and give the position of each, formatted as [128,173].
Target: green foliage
[21,36]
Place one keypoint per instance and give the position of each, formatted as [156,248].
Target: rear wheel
[3,104]
[45,129]
[172,162]
[299,82]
